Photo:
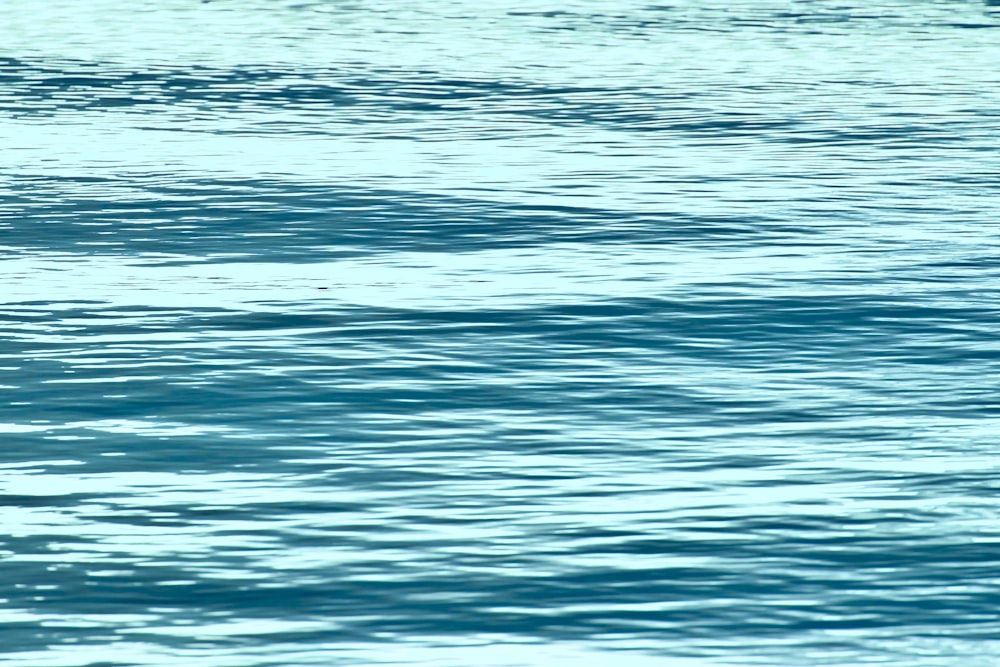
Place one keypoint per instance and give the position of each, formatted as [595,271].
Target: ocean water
[499,334]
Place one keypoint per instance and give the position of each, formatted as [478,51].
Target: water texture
[499,334]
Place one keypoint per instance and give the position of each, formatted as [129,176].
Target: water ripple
[456,334]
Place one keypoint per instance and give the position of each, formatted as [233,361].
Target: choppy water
[499,333]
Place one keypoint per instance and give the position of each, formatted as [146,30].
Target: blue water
[499,334]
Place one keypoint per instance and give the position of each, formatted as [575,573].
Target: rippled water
[499,333]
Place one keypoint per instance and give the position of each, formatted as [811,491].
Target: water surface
[503,334]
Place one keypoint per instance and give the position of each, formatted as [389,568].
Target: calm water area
[451,333]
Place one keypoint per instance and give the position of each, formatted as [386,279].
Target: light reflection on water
[494,334]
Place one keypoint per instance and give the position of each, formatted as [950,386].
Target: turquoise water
[499,334]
